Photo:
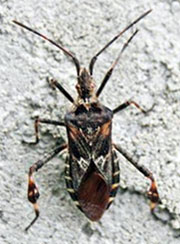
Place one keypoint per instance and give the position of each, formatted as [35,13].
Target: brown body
[92,168]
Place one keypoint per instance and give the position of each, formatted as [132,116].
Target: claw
[36,209]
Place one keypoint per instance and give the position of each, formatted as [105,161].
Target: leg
[152,193]
[54,84]
[125,105]
[36,127]
[33,193]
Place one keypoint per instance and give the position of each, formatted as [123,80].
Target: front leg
[33,193]
[153,192]
[55,84]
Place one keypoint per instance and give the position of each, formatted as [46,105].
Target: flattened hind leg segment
[33,193]
[153,192]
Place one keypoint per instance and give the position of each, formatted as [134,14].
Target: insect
[92,171]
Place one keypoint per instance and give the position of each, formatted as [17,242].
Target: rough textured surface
[148,73]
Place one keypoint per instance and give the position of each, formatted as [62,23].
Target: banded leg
[36,128]
[152,193]
[127,104]
[33,193]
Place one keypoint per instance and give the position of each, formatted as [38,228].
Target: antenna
[75,60]
[93,60]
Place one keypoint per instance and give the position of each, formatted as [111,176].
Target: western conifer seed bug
[91,169]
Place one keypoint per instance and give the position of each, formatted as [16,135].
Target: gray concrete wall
[147,73]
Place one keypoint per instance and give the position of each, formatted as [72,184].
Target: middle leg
[36,128]
[127,104]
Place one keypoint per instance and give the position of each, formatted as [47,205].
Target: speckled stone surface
[149,73]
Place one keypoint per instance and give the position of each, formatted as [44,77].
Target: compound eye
[93,85]
[77,86]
